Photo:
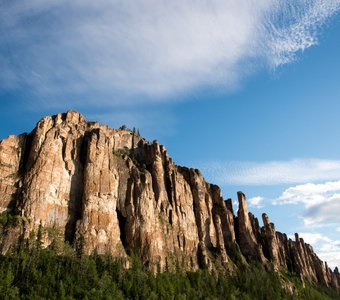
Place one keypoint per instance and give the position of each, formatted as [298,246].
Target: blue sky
[247,92]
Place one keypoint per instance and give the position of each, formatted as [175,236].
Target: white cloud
[256,202]
[332,258]
[299,31]
[321,202]
[272,172]
[148,49]
[332,246]
[325,212]
[310,194]
[321,212]
[314,238]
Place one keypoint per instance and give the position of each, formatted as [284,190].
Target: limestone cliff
[113,192]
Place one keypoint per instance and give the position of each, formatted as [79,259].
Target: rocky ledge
[113,192]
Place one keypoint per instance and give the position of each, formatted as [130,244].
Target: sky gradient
[247,92]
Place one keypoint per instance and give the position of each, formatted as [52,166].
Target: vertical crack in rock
[75,203]
[122,223]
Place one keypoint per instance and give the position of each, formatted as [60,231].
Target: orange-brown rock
[249,245]
[272,244]
[11,159]
[113,192]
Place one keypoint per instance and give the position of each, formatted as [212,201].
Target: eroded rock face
[248,229]
[112,192]
[11,162]
[272,244]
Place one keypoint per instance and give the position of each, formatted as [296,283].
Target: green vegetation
[134,131]
[42,274]
[124,127]
[8,219]
[131,152]
[60,272]
[121,152]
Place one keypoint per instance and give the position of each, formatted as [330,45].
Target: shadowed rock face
[113,192]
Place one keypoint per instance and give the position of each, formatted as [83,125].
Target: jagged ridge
[113,192]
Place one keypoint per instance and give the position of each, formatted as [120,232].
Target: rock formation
[113,192]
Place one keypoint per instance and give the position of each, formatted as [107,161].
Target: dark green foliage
[42,274]
[7,220]
[39,238]
[134,130]
[122,151]
[123,127]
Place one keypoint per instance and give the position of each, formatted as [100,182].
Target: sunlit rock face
[112,192]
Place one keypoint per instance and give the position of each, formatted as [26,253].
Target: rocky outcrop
[247,230]
[272,244]
[113,192]
[12,152]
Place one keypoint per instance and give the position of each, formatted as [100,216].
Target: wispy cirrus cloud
[272,172]
[123,52]
[295,27]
